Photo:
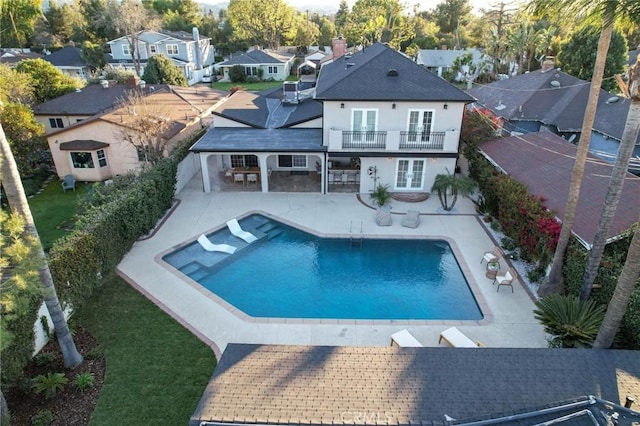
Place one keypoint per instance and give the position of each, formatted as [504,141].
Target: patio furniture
[238,177]
[237,231]
[457,339]
[404,339]
[492,256]
[228,173]
[383,216]
[269,172]
[69,182]
[505,278]
[411,219]
[209,246]
[252,178]
[492,270]
[345,178]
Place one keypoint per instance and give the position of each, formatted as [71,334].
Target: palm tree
[627,144]
[607,10]
[445,184]
[18,202]
[627,282]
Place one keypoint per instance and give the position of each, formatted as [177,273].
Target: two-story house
[271,65]
[95,149]
[375,117]
[192,53]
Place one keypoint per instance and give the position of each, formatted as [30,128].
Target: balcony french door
[364,123]
[420,125]
[410,174]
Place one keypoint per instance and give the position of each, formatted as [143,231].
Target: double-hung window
[56,123]
[172,49]
[125,49]
[102,157]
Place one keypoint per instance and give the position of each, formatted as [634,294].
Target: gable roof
[257,57]
[90,100]
[266,110]
[68,56]
[271,384]
[544,163]
[150,36]
[531,97]
[365,75]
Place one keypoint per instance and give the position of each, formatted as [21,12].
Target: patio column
[206,182]
[264,173]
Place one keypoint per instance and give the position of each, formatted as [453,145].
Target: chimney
[132,82]
[444,47]
[548,64]
[196,38]
[339,47]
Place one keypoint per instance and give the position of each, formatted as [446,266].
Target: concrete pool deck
[508,318]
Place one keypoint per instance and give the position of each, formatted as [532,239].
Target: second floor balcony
[403,141]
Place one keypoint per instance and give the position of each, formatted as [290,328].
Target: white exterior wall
[225,122]
[311,124]
[386,172]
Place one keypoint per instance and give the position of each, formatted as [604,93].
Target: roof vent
[613,99]
[392,73]
[350,64]
[555,83]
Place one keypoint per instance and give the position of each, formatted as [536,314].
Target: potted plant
[381,195]
[451,185]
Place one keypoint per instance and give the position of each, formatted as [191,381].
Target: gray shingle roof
[242,139]
[544,163]
[91,100]
[530,97]
[68,56]
[304,385]
[255,57]
[88,144]
[364,76]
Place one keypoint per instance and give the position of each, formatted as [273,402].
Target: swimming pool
[289,273]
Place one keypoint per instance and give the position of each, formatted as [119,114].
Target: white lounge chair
[209,246]
[236,230]
[457,339]
[404,339]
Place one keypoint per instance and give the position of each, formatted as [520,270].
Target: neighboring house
[69,60]
[544,163]
[432,386]
[276,66]
[192,53]
[74,107]
[553,101]
[11,56]
[95,150]
[376,112]
[317,56]
[441,61]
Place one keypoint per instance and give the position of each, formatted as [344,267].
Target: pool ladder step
[355,239]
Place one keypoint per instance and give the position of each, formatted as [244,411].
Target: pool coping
[473,286]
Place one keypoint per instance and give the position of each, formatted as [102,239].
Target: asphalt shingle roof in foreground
[312,385]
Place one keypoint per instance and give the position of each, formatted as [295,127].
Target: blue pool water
[289,273]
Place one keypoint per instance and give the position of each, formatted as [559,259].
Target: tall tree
[576,55]
[130,18]
[18,202]
[450,15]
[25,136]
[342,16]
[627,144]
[379,20]
[263,22]
[605,10]
[48,81]
[17,20]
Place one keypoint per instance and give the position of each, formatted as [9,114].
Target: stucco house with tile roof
[69,60]
[374,117]
[552,100]
[543,162]
[274,65]
[331,385]
[94,149]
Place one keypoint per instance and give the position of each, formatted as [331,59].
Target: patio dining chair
[505,278]
[252,178]
[238,177]
[228,172]
[492,256]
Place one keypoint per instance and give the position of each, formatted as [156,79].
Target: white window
[153,49]
[125,49]
[273,70]
[364,123]
[172,49]
[410,174]
[82,160]
[420,125]
[56,123]
[102,158]
[292,161]
[244,161]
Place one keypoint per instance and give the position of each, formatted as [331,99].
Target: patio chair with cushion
[505,278]
[69,182]
[252,178]
[456,338]
[411,219]
[404,339]
[492,256]
[238,177]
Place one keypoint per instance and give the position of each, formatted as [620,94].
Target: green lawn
[53,211]
[255,87]
[156,369]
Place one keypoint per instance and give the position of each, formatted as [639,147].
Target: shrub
[44,358]
[49,384]
[381,195]
[85,381]
[571,323]
[42,418]
[237,74]
[94,353]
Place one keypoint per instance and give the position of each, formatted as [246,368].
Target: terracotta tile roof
[306,385]
[544,163]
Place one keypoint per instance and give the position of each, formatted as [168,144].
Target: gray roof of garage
[242,139]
